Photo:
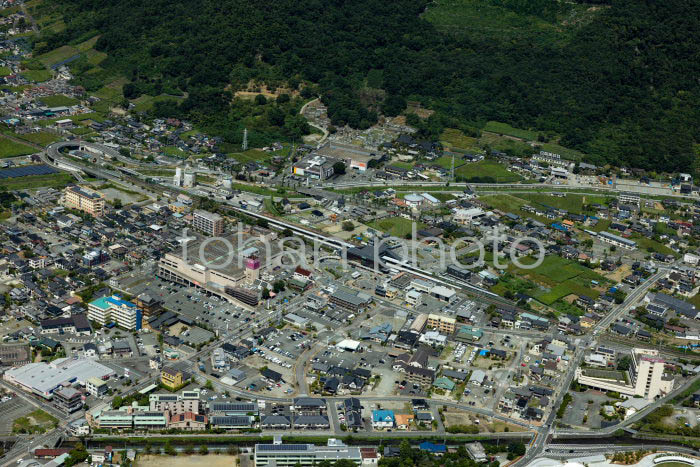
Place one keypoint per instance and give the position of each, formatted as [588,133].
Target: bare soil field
[210,460]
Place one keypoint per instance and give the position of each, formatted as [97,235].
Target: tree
[393,105]
[209,385]
[624,363]
[348,226]
[131,91]
[117,203]
[278,286]
[339,168]
[169,449]
[296,126]
[260,100]
[265,293]
[203,450]
[117,402]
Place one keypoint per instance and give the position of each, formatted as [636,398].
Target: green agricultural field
[485,20]
[506,144]
[455,139]
[186,135]
[512,204]
[174,151]
[10,148]
[5,70]
[258,190]
[504,202]
[487,171]
[158,172]
[396,226]
[571,202]
[58,100]
[59,180]
[251,155]
[145,103]
[652,246]
[57,55]
[505,129]
[566,153]
[444,196]
[88,44]
[80,119]
[695,300]
[403,165]
[111,91]
[94,57]
[37,75]
[561,276]
[43,138]
[82,131]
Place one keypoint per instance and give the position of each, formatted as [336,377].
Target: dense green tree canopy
[621,87]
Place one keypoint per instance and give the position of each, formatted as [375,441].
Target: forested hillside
[617,79]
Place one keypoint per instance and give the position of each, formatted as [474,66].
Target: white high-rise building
[177,179]
[189,179]
[645,378]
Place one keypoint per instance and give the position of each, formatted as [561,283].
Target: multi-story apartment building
[84,199]
[208,222]
[444,324]
[175,404]
[616,240]
[96,386]
[68,399]
[107,309]
[171,377]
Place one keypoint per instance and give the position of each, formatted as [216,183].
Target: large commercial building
[208,222]
[84,199]
[107,309]
[174,268]
[45,378]
[315,167]
[289,455]
[645,378]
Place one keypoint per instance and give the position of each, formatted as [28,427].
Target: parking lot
[12,407]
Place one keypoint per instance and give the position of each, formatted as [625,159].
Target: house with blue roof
[432,447]
[105,310]
[378,333]
[383,419]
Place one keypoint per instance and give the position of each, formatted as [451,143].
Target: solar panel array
[231,421]
[167,398]
[282,447]
[228,407]
[40,169]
